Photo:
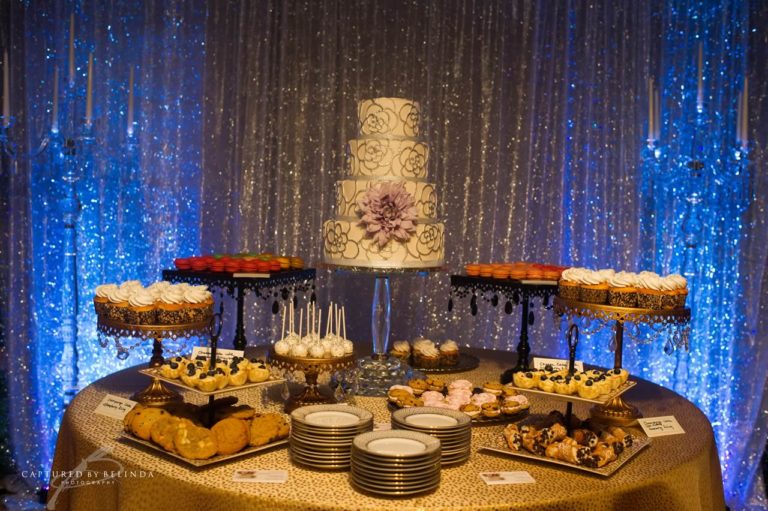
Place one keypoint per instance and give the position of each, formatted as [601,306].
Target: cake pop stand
[312,368]
[379,371]
[156,394]
[516,292]
[674,323]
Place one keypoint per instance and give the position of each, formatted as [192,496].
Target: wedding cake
[386,208]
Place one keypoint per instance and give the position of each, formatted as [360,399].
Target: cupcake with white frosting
[621,289]
[117,307]
[401,350]
[101,299]
[449,353]
[568,286]
[426,354]
[170,306]
[650,294]
[141,308]
[593,286]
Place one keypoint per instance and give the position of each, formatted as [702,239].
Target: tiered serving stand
[673,323]
[280,285]
[156,394]
[515,292]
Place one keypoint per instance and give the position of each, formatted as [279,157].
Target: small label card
[556,363]
[114,406]
[225,355]
[260,476]
[661,426]
[518,477]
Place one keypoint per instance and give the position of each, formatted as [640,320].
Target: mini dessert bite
[471,409]
[568,286]
[650,293]
[426,355]
[449,353]
[170,370]
[401,350]
[237,377]
[493,387]
[588,389]
[258,372]
[525,379]
[206,381]
[101,298]
[419,386]
[514,404]
[491,410]
[435,384]
[622,291]
[593,287]
[546,384]
[460,385]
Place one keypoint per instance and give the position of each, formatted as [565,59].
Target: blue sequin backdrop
[537,117]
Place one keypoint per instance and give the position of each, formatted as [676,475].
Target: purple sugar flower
[387,211]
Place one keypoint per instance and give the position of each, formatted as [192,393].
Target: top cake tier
[388,118]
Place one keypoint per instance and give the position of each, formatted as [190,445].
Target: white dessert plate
[432,419]
[332,417]
[397,444]
[154,372]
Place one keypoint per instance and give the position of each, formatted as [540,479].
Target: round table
[675,472]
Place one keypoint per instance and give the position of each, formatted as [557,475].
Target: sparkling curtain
[536,115]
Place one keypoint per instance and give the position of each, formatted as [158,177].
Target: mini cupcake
[681,289]
[650,294]
[449,353]
[593,287]
[199,304]
[401,350]
[568,286]
[622,291]
[170,307]
[669,298]
[101,298]
[426,356]
[117,307]
[141,308]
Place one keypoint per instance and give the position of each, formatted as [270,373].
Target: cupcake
[141,308]
[681,290]
[401,350]
[622,291]
[101,298]
[649,292]
[170,307]
[199,306]
[449,353]
[117,307]
[669,298]
[568,286]
[426,356]
[593,287]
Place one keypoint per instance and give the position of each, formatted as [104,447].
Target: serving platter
[154,372]
[466,362]
[601,399]
[203,463]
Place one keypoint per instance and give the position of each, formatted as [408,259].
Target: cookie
[195,443]
[142,421]
[164,430]
[232,435]
[243,412]
[129,417]
[267,427]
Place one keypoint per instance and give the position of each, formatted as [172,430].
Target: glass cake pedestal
[379,371]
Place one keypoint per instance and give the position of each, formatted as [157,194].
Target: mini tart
[189,376]
[207,382]
[491,410]
[546,384]
[588,389]
[258,373]
[493,387]
[566,386]
[237,377]
[222,379]
[524,380]
[171,370]
[614,378]
[471,410]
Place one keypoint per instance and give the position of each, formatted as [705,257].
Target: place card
[661,426]
[225,355]
[115,407]
[517,477]
[557,364]
[260,476]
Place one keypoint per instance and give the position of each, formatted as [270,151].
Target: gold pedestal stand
[311,367]
[156,394]
[617,411]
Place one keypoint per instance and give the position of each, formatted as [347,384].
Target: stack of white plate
[452,428]
[395,463]
[321,435]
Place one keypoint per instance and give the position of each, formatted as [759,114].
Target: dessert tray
[601,399]
[209,461]
[629,452]
[467,362]
[154,372]
[477,421]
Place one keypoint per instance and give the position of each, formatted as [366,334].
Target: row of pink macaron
[624,279]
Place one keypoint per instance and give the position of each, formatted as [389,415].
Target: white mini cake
[386,210]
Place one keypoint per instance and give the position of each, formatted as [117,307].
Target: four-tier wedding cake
[385,209]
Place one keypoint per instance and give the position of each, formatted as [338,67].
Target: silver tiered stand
[379,371]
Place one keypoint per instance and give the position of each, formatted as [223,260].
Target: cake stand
[156,394]
[283,284]
[516,292]
[674,323]
[311,367]
[379,371]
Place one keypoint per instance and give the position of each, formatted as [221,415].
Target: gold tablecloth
[677,472]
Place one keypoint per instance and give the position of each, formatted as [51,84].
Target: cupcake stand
[156,394]
[516,292]
[281,285]
[674,324]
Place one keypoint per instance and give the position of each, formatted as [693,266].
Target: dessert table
[675,472]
